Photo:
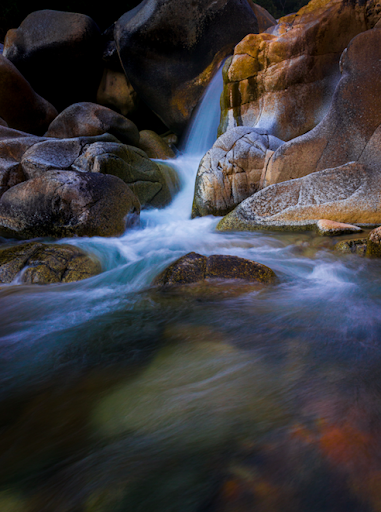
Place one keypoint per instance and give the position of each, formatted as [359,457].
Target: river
[117,398]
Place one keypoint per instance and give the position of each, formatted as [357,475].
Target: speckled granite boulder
[37,263]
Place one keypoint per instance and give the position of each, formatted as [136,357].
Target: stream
[115,397]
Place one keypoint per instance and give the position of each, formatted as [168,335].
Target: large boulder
[89,119]
[59,53]
[37,263]
[348,194]
[20,107]
[351,130]
[170,49]
[231,171]
[283,79]
[67,203]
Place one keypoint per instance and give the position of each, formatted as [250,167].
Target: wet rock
[195,268]
[169,64]
[115,91]
[331,228]
[20,106]
[67,203]
[351,131]
[155,146]
[231,171]
[89,119]
[37,263]
[374,243]
[154,184]
[59,53]
[347,194]
[352,246]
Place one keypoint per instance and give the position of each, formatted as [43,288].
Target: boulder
[283,79]
[374,243]
[20,107]
[195,268]
[331,228]
[67,203]
[348,194]
[116,92]
[154,184]
[37,263]
[59,53]
[154,146]
[352,246]
[351,130]
[89,119]
[231,171]
[170,49]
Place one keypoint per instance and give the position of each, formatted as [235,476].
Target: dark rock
[352,246]
[155,146]
[374,243]
[89,119]
[67,203]
[37,263]
[115,91]
[59,53]
[170,49]
[195,268]
[20,107]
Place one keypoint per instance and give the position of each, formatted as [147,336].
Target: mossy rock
[37,263]
[358,246]
[196,268]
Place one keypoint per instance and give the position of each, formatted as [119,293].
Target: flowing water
[117,398]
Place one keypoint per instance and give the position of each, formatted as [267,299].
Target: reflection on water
[117,398]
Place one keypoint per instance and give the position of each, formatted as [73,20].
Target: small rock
[37,263]
[374,243]
[352,246]
[327,227]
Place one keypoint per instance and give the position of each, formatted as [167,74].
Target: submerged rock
[348,194]
[231,171]
[352,246]
[195,268]
[37,263]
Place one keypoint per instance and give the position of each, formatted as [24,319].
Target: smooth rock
[116,92]
[21,107]
[231,170]
[67,203]
[195,268]
[351,130]
[331,228]
[59,53]
[155,146]
[37,263]
[283,79]
[170,49]
[89,119]
[348,194]
[374,243]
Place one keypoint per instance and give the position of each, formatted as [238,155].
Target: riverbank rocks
[283,79]
[20,106]
[170,49]
[348,194]
[374,243]
[67,203]
[195,268]
[351,131]
[59,53]
[37,263]
[231,171]
[88,119]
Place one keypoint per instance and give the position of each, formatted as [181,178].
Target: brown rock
[116,92]
[195,268]
[374,243]
[348,194]
[283,80]
[154,146]
[67,203]
[331,228]
[20,107]
[351,130]
[37,263]
[89,119]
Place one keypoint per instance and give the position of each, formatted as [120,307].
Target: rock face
[351,131]
[89,119]
[20,107]
[59,53]
[170,48]
[67,203]
[36,263]
[195,268]
[283,79]
[349,194]
[231,171]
